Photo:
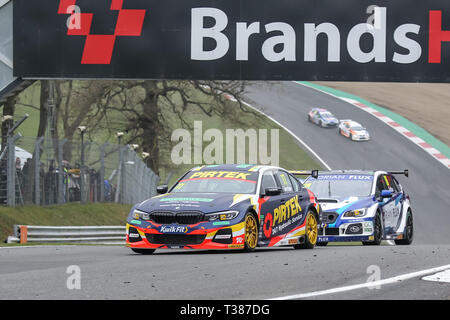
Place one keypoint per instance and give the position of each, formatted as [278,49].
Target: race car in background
[353,130]
[323,118]
[367,206]
[226,207]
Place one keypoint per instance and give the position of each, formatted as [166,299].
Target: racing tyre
[311,232]
[251,232]
[409,232]
[143,251]
[378,232]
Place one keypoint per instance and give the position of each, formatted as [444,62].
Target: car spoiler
[405,172]
[313,173]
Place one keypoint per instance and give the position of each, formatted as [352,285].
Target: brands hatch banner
[339,40]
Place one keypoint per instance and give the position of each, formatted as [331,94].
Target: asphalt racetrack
[332,272]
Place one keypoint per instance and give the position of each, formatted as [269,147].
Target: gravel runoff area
[427,105]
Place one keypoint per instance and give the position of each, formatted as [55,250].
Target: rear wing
[405,172]
[313,173]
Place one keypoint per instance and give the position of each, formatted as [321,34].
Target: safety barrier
[70,234]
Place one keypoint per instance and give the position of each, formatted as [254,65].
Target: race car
[367,206]
[323,118]
[226,207]
[353,130]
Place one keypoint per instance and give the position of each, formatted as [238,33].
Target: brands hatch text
[227,207]
[411,50]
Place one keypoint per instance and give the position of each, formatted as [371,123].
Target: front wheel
[378,232]
[251,232]
[311,232]
[409,232]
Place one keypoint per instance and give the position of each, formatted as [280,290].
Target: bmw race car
[322,117]
[353,130]
[226,207]
[362,206]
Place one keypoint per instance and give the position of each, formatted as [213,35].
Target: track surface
[116,273]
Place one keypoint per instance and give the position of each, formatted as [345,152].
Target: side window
[380,185]
[396,186]
[285,181]
[295,184]
[268,181]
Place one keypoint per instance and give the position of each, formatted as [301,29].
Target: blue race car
[362,206]
[323,118]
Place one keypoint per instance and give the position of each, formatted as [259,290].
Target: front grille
[354,229]
[329,231]
[175,239]
[183,217]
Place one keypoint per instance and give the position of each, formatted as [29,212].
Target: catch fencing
[47,171]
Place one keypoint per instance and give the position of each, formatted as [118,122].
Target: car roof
[231,167]
[352,123]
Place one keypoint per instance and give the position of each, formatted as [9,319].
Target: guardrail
[69,234]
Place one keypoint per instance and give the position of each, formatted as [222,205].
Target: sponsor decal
[357,177]
[286,210]
[235,246]
[136,222]
[221,223]
[133,235]
[220,174]
[173,229]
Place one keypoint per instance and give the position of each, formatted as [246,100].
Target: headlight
[355,213]
[225,215]
[139,215]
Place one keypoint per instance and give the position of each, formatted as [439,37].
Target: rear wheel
[409,232]
[311,232]
[251,232]
[378,232]
[143,251]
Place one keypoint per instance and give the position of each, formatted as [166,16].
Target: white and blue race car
[367,206]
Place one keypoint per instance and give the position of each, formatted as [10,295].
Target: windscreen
[218,182]
[340,185]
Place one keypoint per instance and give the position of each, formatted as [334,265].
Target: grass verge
[73,214]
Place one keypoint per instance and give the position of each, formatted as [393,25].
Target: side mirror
[272,192]
[162,189]
[315,174]
[386,194]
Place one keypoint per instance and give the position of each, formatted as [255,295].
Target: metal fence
[47,172]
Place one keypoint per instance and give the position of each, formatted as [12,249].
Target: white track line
[372,284]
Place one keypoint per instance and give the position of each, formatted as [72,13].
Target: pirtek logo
[98,48]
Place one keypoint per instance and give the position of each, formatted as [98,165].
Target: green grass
[73,214]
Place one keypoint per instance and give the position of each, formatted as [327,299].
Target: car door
[386,205]
[267,206]
[293,206]
[397,197]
